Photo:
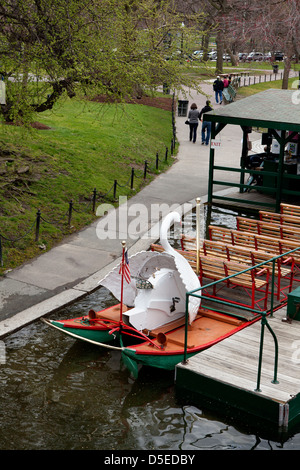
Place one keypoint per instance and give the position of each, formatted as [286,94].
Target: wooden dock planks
[234,362]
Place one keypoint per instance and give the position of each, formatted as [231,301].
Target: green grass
[244,91]
[88,145]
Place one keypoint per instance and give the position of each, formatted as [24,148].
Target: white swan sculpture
[188,276]
[157,291]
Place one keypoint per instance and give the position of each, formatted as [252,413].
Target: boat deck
[227,373]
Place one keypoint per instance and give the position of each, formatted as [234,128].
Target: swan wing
[190,281]
[142,265]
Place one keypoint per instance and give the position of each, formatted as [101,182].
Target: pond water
[62,394]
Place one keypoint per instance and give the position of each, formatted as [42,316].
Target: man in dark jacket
[218,87]
[206,125]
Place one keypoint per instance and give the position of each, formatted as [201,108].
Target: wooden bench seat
[217,269]
[283,269]
[278,218]
[271,245]
[289,209]
[268,229]
[242,244]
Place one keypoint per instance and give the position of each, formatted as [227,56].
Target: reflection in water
[58,393]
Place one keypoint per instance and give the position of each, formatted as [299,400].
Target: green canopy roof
[272,109]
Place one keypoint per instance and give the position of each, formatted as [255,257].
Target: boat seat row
[289,209]
[283,269]
[268,229]
[273,246]
[216,269]
[278,218]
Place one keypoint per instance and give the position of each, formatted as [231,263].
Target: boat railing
[263,313]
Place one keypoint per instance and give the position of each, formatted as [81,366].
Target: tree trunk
[220,51]
[205,44]
[286,71]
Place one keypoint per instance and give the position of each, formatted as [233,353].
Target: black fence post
[132,177]
[1,257]
[70,213]
[115,188]
[37,226]
[145,169]
[166,156]
[156,161]
[94,199]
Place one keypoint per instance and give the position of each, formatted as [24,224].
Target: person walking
[193,118]
[206,125]
[226,82]
[218,87]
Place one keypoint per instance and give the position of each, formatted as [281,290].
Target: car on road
[278,55]
[197,55]
[255,56]
[267,56]
[212,55]
[243,55]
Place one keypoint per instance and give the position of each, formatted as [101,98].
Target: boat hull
[166,362]
[207,330]
[92,334]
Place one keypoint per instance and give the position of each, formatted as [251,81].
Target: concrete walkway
[71,270]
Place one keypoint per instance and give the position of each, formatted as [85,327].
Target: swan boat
[150,323]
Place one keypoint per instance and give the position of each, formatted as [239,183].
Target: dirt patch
[35,125]
[155,102]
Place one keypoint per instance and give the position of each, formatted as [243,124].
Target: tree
[114,47]
[273,27]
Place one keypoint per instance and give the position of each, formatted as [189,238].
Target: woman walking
[193,117]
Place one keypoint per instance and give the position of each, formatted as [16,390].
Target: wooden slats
[282,219]
[290,209]
[268,229]
[216,269]
[274,246]
[240,369]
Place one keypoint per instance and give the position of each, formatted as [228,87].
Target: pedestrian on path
[206,125]
[226,82]
[193,118]
[218,87]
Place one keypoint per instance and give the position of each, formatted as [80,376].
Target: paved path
[72,269]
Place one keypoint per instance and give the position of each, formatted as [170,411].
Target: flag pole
[198,201]
[122,280]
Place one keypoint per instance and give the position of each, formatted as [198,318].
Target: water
[62,394]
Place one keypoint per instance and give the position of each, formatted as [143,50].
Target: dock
[225,376]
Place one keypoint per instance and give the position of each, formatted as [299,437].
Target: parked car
[255,56]
[197,55]
[278,55]
[212,55]
[226,57]
[268,56]
[243,56]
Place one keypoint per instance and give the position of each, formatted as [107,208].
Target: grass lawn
[244,91]
[88,145]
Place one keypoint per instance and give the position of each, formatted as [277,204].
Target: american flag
[126,270]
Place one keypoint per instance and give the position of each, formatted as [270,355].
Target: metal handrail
[243,185]
[264,321]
